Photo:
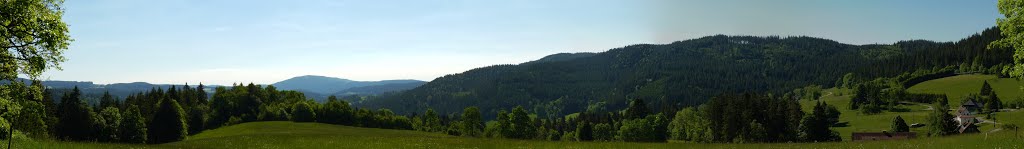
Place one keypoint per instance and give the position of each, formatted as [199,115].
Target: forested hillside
[685,73]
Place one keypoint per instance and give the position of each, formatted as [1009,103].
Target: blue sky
[226,41]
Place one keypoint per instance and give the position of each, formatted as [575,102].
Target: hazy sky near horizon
[261,41]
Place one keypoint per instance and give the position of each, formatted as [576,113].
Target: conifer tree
[898,125]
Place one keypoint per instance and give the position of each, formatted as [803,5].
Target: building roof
[971,103]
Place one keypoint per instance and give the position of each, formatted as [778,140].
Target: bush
[643,130]
[603,132]
[869,109]
[302,112]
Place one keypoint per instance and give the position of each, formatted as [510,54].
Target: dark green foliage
[108,101]
[76,119]
[168,124]
[197,119]
[108,124]
[32,119]
[302,112]
[584,132]
[815,127]
[520,124]
[431,122]
[940,122]
[986,89]
[133,126]
[898,125]
[637,109]
[603,132]
[988,97]
[686,73]
[336,112]
[729,117]
[472,122]
[499,128]
[647,129]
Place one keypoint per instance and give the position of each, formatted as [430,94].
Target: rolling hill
[682,73]
[956,87]
[331,85]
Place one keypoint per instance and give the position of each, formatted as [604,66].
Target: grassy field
[866,123]
[313,135]
[956,87]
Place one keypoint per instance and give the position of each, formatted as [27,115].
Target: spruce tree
[940,122]
[168,124]
[76,119]
[986,89]
[898,125]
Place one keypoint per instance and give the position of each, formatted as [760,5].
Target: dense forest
[687,73]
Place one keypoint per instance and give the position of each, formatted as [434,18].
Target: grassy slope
[956,87]
[865,123]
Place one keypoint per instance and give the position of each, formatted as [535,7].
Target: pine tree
[898,125]
[986,89]
[107,100]
[76,119]
[940,122]
[815,127]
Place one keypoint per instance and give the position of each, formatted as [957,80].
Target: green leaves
[1012,27]
[33,35]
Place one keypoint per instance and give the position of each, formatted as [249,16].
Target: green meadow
[270,135]
[956,87]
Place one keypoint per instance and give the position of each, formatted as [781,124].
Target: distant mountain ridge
[379,89]
[331,85]
[682,73]
[317,87]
